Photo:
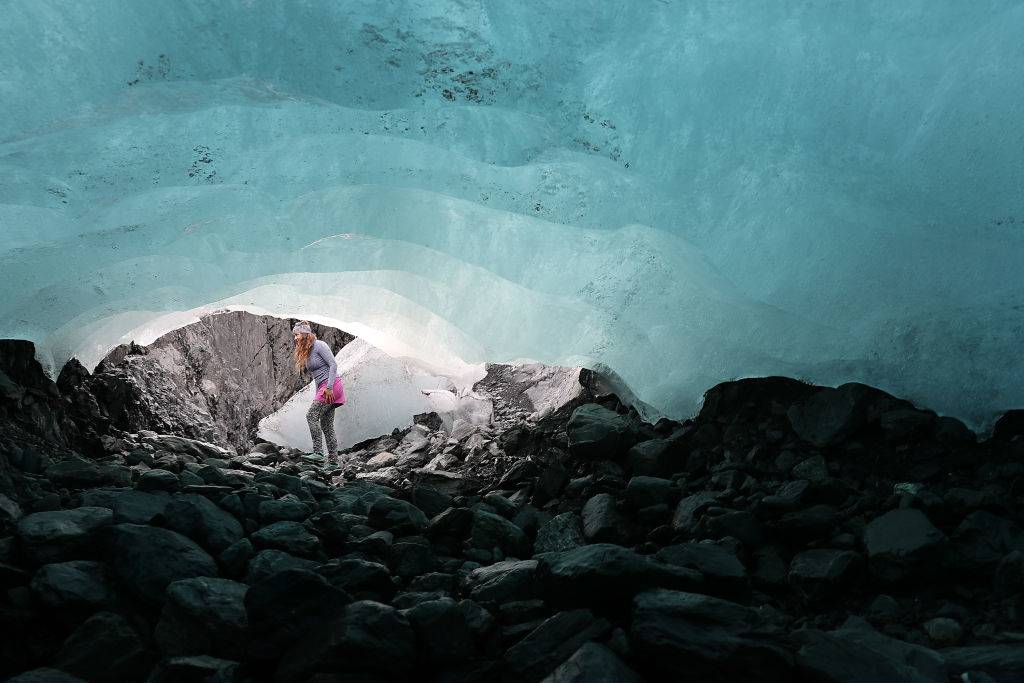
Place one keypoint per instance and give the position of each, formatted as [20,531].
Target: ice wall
[684,191]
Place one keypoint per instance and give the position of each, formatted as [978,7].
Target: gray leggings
[320,418]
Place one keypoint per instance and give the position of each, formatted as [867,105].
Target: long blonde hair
[303,348]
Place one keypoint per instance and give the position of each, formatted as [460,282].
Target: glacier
[680,192]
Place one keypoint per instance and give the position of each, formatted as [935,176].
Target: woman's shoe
[313,457]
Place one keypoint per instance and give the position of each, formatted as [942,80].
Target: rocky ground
[788,532]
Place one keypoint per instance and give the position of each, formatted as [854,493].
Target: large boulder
[203,615]
[595,432]
[901,543]
[443,634]
[561,532]
[602,521]
[504,581]
[74,584]
[369,638]
[830,415]
[723,572]
[679,635]
[823,573]
[397,516]
[551,643]
[147,559]
[198,518]
[593,663]
[607,575]
[284,606]
[489,530]
[105,648]
[62,534]
[291,537]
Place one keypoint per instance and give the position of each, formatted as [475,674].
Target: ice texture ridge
[683,192]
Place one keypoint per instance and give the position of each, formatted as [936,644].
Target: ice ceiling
[682,191]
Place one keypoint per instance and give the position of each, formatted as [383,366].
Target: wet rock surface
[787,532]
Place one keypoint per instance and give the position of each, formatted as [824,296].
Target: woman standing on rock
[316,356]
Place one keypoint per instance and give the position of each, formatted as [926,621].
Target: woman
[316,356]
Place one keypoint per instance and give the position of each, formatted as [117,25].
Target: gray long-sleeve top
[321,363]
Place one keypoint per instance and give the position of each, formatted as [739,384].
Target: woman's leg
[327,424]
[313,420]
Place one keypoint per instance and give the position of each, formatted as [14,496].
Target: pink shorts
[339,392]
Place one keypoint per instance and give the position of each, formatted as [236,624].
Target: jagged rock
[203,615]
[45,675]
[1009,575]
[362,579]
[608,575]
[900,542]
[813,469]
[202,521]
[62,534]
[593,663]
[104,648]
[159,480]
[235,558]
[196,669]
[723,573]
[1009,426]
[70,585]
[678,634]
[602,522]
[283,510]
[690,508]
[147,559]
[397,516]
[595,432]
[811,524]
[823,573]
[409,559]
[504,581]
[830,659]
[291,537]
[76,473]
[368,638]
[268,562]
[983,539]
[489,531]
[943,631]
[924,664]
[654,458]
[287,605]
[441,631]
[551,643]
[561,532]
[829,415]
[644,491]
[1002,662]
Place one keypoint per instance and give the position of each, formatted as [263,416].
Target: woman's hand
[328,395]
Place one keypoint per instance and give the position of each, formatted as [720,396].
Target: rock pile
[787,533]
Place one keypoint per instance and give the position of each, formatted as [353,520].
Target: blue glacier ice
[682,191]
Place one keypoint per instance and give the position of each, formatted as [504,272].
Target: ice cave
[681,192]
[681,341]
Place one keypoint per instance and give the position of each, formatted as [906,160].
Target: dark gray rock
[602,521]
[235,558]
[283,510]
[561,532]
[76,473]
[196,669]
[74,584]
[654,458]
[831,659]
[147,559]
[504,581]
[285,606]
[397,516]
[104,648]
[690,509]
[643,491]
[983,539]
[551,643]
[62,534]
[723,572]
[291,537]
[901,543]
[593,663]
[369,638]
[362,579]
[159,480]
[596,433]
[607,575]
[198,518]
[830,415]
[1009,575]
[823,573]
[442,632]
[1001,662]
[45,675]
[269,562]
[203,615]
[490,531]
[688,635]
